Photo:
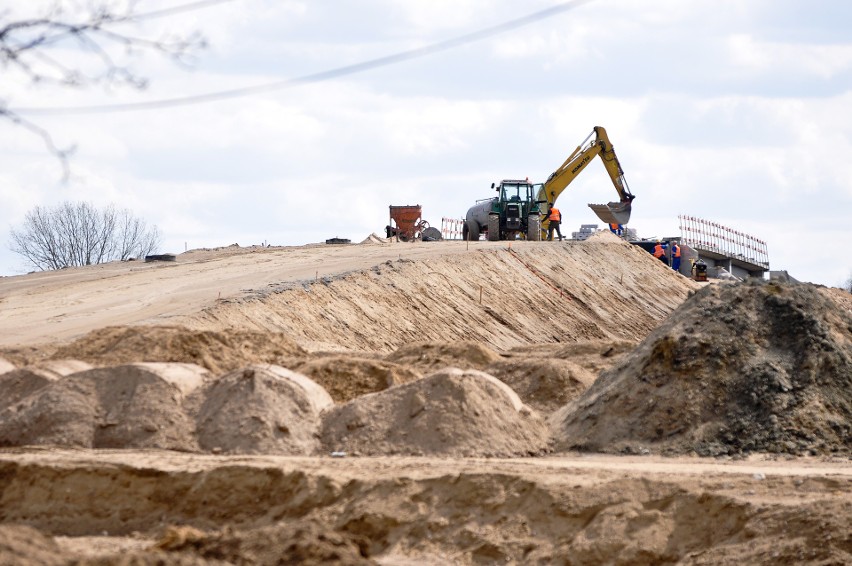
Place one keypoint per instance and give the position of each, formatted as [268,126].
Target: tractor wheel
[534,228]
[493,227]
[470,230]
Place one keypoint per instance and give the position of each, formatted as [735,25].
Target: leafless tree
[72,45]
[848,284]
[76,234]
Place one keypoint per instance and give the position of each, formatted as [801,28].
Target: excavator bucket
[613,212]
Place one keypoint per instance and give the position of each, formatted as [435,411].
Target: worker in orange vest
[555,218]
[616,229]
[675,256]
[660,252]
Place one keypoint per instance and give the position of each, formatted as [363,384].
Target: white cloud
[793,58]
[437,126]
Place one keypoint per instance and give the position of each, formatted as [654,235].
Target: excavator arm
[613,212]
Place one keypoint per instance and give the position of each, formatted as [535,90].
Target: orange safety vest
[613,226]
[675,250]
[555,215]
[659,251]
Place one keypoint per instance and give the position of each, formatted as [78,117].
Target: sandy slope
[373,296]
[58,305]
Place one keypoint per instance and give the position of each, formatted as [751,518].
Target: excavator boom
[612,212]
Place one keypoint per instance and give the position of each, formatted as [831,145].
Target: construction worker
[616,229]
[675,256]
[555,218]
[660,252]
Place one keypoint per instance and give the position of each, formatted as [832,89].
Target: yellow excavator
[612,212]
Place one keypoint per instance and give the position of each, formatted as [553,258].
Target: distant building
[586,230]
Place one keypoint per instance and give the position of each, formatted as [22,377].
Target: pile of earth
[752,367]
[132,406]
[265,409]
[452,412]
[545,376]
[347,377]
[217,351]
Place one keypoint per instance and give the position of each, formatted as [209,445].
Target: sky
[734,111]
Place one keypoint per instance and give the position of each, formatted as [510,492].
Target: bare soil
[757,367]
[429,403]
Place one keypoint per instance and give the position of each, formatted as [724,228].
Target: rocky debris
[218,351]
[751,367]
[453,412]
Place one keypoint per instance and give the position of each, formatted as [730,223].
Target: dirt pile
[548,376]
[16,384]
[132,406]
[348,377]
[753,367]
[430,356]
[268,409]
[218,351]
[260,410]
[543,384]
[452,412]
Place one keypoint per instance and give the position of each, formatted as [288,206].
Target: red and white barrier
[702,234]
[451,228]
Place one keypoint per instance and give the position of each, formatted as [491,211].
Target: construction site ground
[422,403]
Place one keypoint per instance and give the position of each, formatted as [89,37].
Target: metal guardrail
[704,235]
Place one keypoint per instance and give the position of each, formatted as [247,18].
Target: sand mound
[449,413]
[21,383]
[261,410]
[217,351]
[430,356]
[546,384]
[132,406]
[737,368]
[346,378]
[374,239]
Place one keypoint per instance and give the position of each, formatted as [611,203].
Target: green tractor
[513,214]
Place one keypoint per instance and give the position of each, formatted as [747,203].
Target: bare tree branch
[62,154]
[37,48]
